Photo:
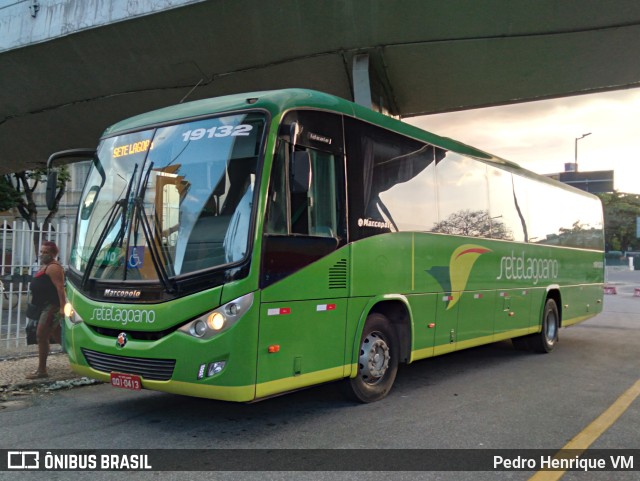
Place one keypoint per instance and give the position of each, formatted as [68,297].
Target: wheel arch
[396,308]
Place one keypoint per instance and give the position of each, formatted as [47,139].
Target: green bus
[245,246]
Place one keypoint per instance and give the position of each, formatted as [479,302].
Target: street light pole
[575,161]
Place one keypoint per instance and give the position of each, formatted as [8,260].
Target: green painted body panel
[235,346]
[424,323]
[143,317]
[476,299]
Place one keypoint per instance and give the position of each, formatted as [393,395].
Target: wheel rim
[374,358]
[552,327]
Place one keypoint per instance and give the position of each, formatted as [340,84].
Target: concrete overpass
[69,68]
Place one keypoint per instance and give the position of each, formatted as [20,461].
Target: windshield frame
[210,275]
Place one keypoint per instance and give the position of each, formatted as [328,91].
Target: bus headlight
[199,328]
[216,321]
[220,319]
[71,314]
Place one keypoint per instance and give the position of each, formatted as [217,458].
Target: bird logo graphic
[454,277]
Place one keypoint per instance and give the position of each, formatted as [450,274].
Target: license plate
[126,381]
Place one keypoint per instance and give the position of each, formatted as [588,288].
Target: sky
[540,135]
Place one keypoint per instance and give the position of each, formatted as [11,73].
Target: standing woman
[47,292]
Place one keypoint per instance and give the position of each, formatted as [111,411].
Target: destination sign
[132,148]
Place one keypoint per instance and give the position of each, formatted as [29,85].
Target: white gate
[20,248]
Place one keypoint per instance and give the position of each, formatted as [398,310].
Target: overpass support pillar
[369,87]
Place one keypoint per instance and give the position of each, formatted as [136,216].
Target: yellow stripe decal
[575,320]
[296,382]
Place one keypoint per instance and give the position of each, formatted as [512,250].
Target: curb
[49,384]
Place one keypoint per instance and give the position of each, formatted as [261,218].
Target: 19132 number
[219,131]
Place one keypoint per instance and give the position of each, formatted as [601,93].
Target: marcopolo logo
[529,268]
[123,316]
[124,293]
[376,224]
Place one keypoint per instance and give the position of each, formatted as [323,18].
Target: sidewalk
[13,371]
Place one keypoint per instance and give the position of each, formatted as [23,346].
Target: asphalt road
[491,397]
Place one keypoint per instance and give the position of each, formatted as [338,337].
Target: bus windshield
[168,201]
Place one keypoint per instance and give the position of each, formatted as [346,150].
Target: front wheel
[377,361]
[546,340]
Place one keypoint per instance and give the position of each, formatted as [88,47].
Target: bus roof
[278,102]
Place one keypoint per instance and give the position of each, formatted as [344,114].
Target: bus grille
[152,369]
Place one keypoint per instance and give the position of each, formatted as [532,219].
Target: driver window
[301,228]
[313,213]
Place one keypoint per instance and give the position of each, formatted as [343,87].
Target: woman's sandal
[37,375]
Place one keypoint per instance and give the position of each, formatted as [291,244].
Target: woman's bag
[33,311]
[33,316]
[31,330]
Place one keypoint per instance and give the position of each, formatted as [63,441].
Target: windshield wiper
[140,216]
[119,207]
[116,209]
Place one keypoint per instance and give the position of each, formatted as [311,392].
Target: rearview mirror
[61,158]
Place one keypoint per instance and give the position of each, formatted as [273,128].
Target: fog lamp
[215,367]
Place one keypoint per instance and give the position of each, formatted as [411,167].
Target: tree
[9,197]
[18,191]
[476,223]
[620,213]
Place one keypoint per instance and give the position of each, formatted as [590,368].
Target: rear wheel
[546,340]
[377,361]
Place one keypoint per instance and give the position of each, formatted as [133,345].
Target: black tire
[377,361]
[546,340]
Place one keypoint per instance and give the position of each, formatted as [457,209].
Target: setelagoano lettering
[528,268]
[123,316]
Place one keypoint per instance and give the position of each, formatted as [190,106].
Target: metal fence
[20,248]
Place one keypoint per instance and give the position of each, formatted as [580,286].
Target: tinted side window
[463,198]
[563,218]
[391,181]
[507,216]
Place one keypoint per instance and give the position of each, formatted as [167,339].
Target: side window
[319,211]
[575,220]
[508,220]
[305,220]
[391,181]
[463,197]
[316,212]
